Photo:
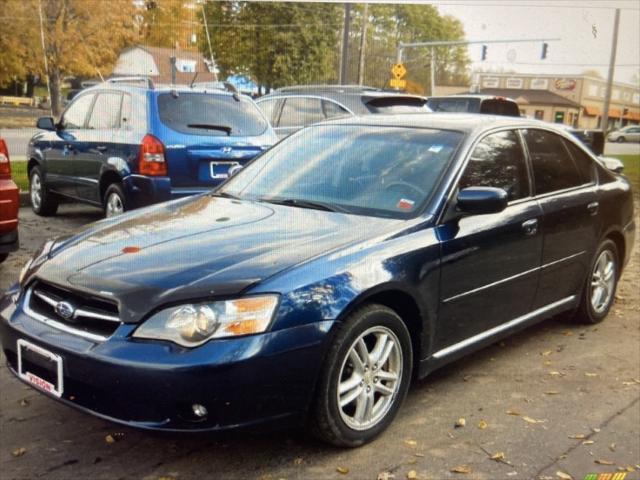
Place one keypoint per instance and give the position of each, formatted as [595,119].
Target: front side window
[377,171]
[498,161]
[106,111]
[210,114]
[75,116]
[301,111]
[553,167]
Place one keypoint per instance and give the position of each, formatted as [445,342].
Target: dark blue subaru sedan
[315,283]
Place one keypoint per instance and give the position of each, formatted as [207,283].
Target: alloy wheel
[36,191]
[603,281]
[370,378]
[114,205]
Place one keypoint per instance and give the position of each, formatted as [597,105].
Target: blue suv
[126,143]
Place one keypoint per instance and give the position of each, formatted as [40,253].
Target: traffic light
[545,48]
[484,52]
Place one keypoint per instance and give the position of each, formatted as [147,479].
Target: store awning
[591,111]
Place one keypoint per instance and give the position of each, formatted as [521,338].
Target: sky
[585,30]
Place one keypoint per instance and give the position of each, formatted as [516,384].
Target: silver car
[630,133]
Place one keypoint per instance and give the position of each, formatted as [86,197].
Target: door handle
[101,148]
[593,208]
[530,227]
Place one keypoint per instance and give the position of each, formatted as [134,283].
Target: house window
[539,115]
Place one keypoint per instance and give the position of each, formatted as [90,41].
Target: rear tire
[114,201]
[600,286]
[3,257]
[620,140]
[365,377]
[43,202]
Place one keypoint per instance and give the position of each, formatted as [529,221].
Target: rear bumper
[142,190]
[263,380]
[9,205]
[9,242]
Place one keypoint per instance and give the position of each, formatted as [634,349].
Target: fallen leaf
[547,353]
[482,424]
[109,439]
[532,420]
[461,422]
[460,469]
[567,333]
[342,470]
[589,374]
[588,442]
[412,475]
[513,412]
[604,462]
[551,392]
[612,447]
[411,443]
[564,476]
[578,436]
[385,476]
[24,402]
[18,452]
[498,456]
[420,455]
[298,461]
[626,384]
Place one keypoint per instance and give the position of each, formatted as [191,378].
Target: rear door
[66,145]
[490,263]
[101,139]
[565,187]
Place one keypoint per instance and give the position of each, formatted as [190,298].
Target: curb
[25,200]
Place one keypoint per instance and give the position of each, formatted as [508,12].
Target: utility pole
[211,59]
[432,67]
[363,42]
[345,43]
[604,124]
[44,53]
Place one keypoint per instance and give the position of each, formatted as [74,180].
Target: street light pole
[345,43]
[604,124]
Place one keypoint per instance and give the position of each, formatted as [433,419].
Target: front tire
[3,257]
[600,287]
[365,377]
[43,202]
[620,140]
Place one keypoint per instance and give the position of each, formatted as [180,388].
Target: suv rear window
[395,104]
[449,104]
[210,114]
[500,107]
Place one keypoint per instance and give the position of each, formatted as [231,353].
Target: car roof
[350,97]
[478,96]
[462,122]
[159,88]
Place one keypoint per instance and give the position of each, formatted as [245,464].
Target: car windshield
[366,170]
[210,114]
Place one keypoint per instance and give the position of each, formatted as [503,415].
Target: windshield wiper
[296,202]
[206,126]
[225,195]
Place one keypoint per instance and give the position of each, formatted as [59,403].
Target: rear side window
[583,162]
[76,114]
[332,109]
[553,167]
[500,107]
[498,161]
[267,107]
[210,114]
[396,105]
[106,111]
[301,111]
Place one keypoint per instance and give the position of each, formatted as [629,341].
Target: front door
[490,263]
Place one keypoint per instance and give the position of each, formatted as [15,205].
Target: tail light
[151,160]
[5,165]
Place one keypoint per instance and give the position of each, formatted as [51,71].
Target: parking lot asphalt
[556,399]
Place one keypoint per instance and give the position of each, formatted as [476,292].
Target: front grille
[85,315]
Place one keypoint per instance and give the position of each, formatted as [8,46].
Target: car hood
[197,248]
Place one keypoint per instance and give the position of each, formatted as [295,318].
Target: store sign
[539,84]
[514,83]
[565,84]
[490,82]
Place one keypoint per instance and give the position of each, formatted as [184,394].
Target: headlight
[194,324]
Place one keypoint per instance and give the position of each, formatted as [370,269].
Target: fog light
[199,411]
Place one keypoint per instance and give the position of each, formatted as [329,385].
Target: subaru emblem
[65,310]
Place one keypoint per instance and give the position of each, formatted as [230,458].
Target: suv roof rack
[133,81]
[354,88]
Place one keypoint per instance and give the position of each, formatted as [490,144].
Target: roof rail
[326,87]
[133,80]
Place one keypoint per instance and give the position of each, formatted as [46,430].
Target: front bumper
[142,191]
[256,380]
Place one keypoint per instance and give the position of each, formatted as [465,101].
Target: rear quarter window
[210,114]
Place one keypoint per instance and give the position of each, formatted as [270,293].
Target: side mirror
[612,164]
[46,123]
[481,200]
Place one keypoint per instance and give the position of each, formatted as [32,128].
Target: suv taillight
[5,165]
[151,160]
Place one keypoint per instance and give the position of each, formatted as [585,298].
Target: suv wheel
[115,202]
[600,288]
[43,202]
[365,378]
